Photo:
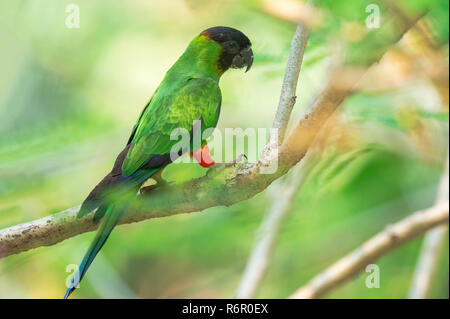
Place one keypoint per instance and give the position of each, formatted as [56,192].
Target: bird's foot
[238,159]
[218,166]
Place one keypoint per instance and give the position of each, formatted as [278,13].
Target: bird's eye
[232,47]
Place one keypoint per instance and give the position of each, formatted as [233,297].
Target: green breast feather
[177,106]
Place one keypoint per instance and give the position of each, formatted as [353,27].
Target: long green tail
[113,213]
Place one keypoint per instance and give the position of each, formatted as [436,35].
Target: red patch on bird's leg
[203,156]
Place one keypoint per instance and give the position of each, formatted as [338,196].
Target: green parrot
[188,94]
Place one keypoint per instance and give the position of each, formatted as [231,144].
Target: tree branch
[385,241]
[427,263]
[224,187]
[268,231]
[293,67]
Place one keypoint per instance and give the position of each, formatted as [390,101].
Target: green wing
[169,109]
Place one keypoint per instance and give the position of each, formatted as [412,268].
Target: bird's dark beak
[243,58]
[248,58]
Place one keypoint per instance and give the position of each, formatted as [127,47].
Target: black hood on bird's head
[237,52]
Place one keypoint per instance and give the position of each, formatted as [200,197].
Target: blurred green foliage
[69,98]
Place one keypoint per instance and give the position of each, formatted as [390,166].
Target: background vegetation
[69,98]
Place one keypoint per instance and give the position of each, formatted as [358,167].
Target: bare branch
[289,87]
[427,263]
[385,241]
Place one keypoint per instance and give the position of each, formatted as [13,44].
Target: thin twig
[289,86]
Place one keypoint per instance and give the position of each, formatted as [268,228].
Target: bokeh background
[69,98]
